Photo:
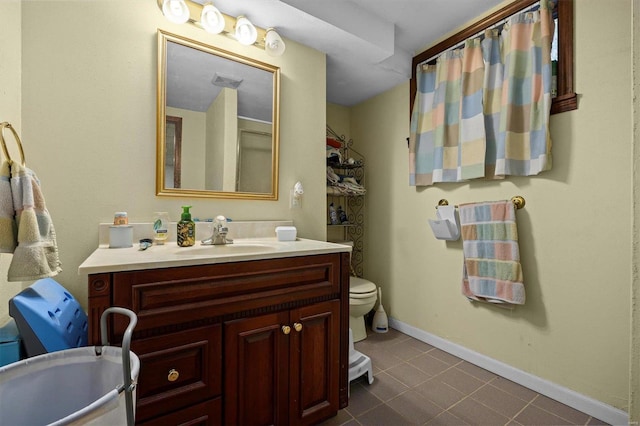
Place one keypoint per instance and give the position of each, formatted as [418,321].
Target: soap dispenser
[186,229]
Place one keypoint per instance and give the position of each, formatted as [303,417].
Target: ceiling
[369,43]
[194,78]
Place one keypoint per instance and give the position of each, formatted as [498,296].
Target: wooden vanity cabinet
[254,342]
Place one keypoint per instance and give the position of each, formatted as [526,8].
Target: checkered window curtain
[482,111]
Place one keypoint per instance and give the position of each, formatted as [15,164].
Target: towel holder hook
[7,125]
[517,200]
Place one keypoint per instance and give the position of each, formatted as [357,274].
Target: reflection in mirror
[173,148]
[217,122]
[254,152]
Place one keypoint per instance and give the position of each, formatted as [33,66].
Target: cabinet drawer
[207,413]
[178,370]
[178,295]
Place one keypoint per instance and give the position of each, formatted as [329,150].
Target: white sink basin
[217,250]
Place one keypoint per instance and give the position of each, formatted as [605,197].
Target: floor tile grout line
[555,413]
[522,410]
[396,411]
[470,396]
[512,418]
[495,379]
[528,404]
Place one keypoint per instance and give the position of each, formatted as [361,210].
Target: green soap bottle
[186,229]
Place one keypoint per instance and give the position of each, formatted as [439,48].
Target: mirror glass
[218,121]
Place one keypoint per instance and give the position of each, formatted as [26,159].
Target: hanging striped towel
[36,255]
[8,227]
[491,270]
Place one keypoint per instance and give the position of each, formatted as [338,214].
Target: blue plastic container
[48,317]
[9,343]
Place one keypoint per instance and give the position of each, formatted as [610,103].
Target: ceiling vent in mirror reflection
[228,81]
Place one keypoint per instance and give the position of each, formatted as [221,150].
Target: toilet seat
[362,295]
[359,287]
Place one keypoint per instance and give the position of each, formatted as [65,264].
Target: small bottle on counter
[120,218]
[186,229]
[160,227]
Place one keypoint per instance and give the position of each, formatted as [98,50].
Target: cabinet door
[256,367]
[315,362]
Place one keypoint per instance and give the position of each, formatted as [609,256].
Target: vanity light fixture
[246,32]
[176,11]
[211,19]
[273,44]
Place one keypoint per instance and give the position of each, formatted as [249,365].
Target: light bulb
[211,19]
[246,33]
[176,11]
[273,43]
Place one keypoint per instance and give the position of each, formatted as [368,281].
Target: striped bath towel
[492,270]
[36,255]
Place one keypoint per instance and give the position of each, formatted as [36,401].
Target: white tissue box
[286,233]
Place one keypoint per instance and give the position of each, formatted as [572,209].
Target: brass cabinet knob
[173,375]
[297,326]
[286,329]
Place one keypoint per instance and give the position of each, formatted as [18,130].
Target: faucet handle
[222,233]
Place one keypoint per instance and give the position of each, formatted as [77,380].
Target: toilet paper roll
[447,226]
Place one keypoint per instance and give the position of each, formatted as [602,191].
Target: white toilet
[362,298]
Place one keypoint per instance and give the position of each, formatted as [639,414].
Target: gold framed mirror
[217,122]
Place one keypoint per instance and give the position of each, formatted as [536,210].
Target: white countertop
[105,259]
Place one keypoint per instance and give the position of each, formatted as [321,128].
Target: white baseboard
[580,402]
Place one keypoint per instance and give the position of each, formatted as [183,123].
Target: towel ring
[8,125]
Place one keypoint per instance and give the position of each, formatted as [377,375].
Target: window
[566,100]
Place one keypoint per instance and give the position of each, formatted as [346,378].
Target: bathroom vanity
[251,333]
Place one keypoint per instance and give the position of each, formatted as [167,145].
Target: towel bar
[517,201]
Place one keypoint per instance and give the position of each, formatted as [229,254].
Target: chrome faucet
[219,233]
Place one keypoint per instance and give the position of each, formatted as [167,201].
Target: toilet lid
[360,286]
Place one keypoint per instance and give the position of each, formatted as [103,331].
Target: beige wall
[10,108]
[575,231]
[634,372]
[88,120]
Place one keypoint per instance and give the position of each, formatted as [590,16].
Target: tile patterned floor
[418,384]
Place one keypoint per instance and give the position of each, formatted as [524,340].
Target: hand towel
[8,229]
[491,270]
[36,255]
